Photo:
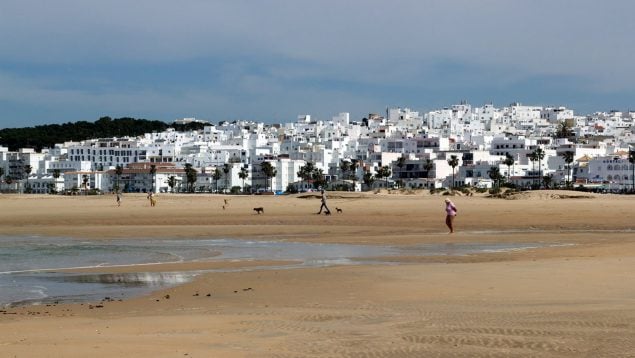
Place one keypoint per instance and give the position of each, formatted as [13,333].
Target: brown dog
[339,211]
[259,210]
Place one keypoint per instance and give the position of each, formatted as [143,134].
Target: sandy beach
[571,296]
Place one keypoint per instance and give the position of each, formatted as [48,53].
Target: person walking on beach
[323,206]
[450,210]
[118,199]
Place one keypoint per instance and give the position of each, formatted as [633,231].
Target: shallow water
[28,264]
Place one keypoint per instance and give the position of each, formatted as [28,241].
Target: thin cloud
[369,52]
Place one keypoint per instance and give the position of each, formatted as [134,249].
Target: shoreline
[230,255]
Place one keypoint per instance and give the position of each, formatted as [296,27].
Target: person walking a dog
[323,206]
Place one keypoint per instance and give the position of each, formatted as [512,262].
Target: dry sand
[574,300]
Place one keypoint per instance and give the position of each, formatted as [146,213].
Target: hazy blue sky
[69,60]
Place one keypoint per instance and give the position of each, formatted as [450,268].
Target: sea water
[29,266]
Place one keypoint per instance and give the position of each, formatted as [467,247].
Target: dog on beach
[153,200]
[259,210]
[339,211]
[327,213]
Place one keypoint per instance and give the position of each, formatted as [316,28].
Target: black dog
[259,210]
[338,210]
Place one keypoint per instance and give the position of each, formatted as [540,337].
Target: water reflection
[150,279]
[29,266]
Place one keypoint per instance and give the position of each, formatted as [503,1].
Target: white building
[615,171]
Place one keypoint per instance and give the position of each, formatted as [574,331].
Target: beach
[571,294]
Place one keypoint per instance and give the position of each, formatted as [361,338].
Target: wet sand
[573,300]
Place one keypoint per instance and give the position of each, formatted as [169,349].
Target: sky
[270,61]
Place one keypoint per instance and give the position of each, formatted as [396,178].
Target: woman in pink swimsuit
[451,211]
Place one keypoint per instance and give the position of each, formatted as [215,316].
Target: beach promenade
[571,296]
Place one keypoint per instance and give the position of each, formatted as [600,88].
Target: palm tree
[56,174]
[353,168]
[401,161]
[118,172]
[243,174]
[547,179]
[369,179]
[428,165]
[153,172]
[306,171]
[27,171]
[568,159]
[384,172]
[379,173]
[533,158]
[631,159]
[345,166]
[508,161]
[563,131]
[172,183]
[190,177]
[540,155]
[318,177]
[495,174]
[85,182]
[269,171]
[216,176]
[226,170]
[453,162]
[273,173]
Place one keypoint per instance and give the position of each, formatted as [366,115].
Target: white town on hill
[523,146]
